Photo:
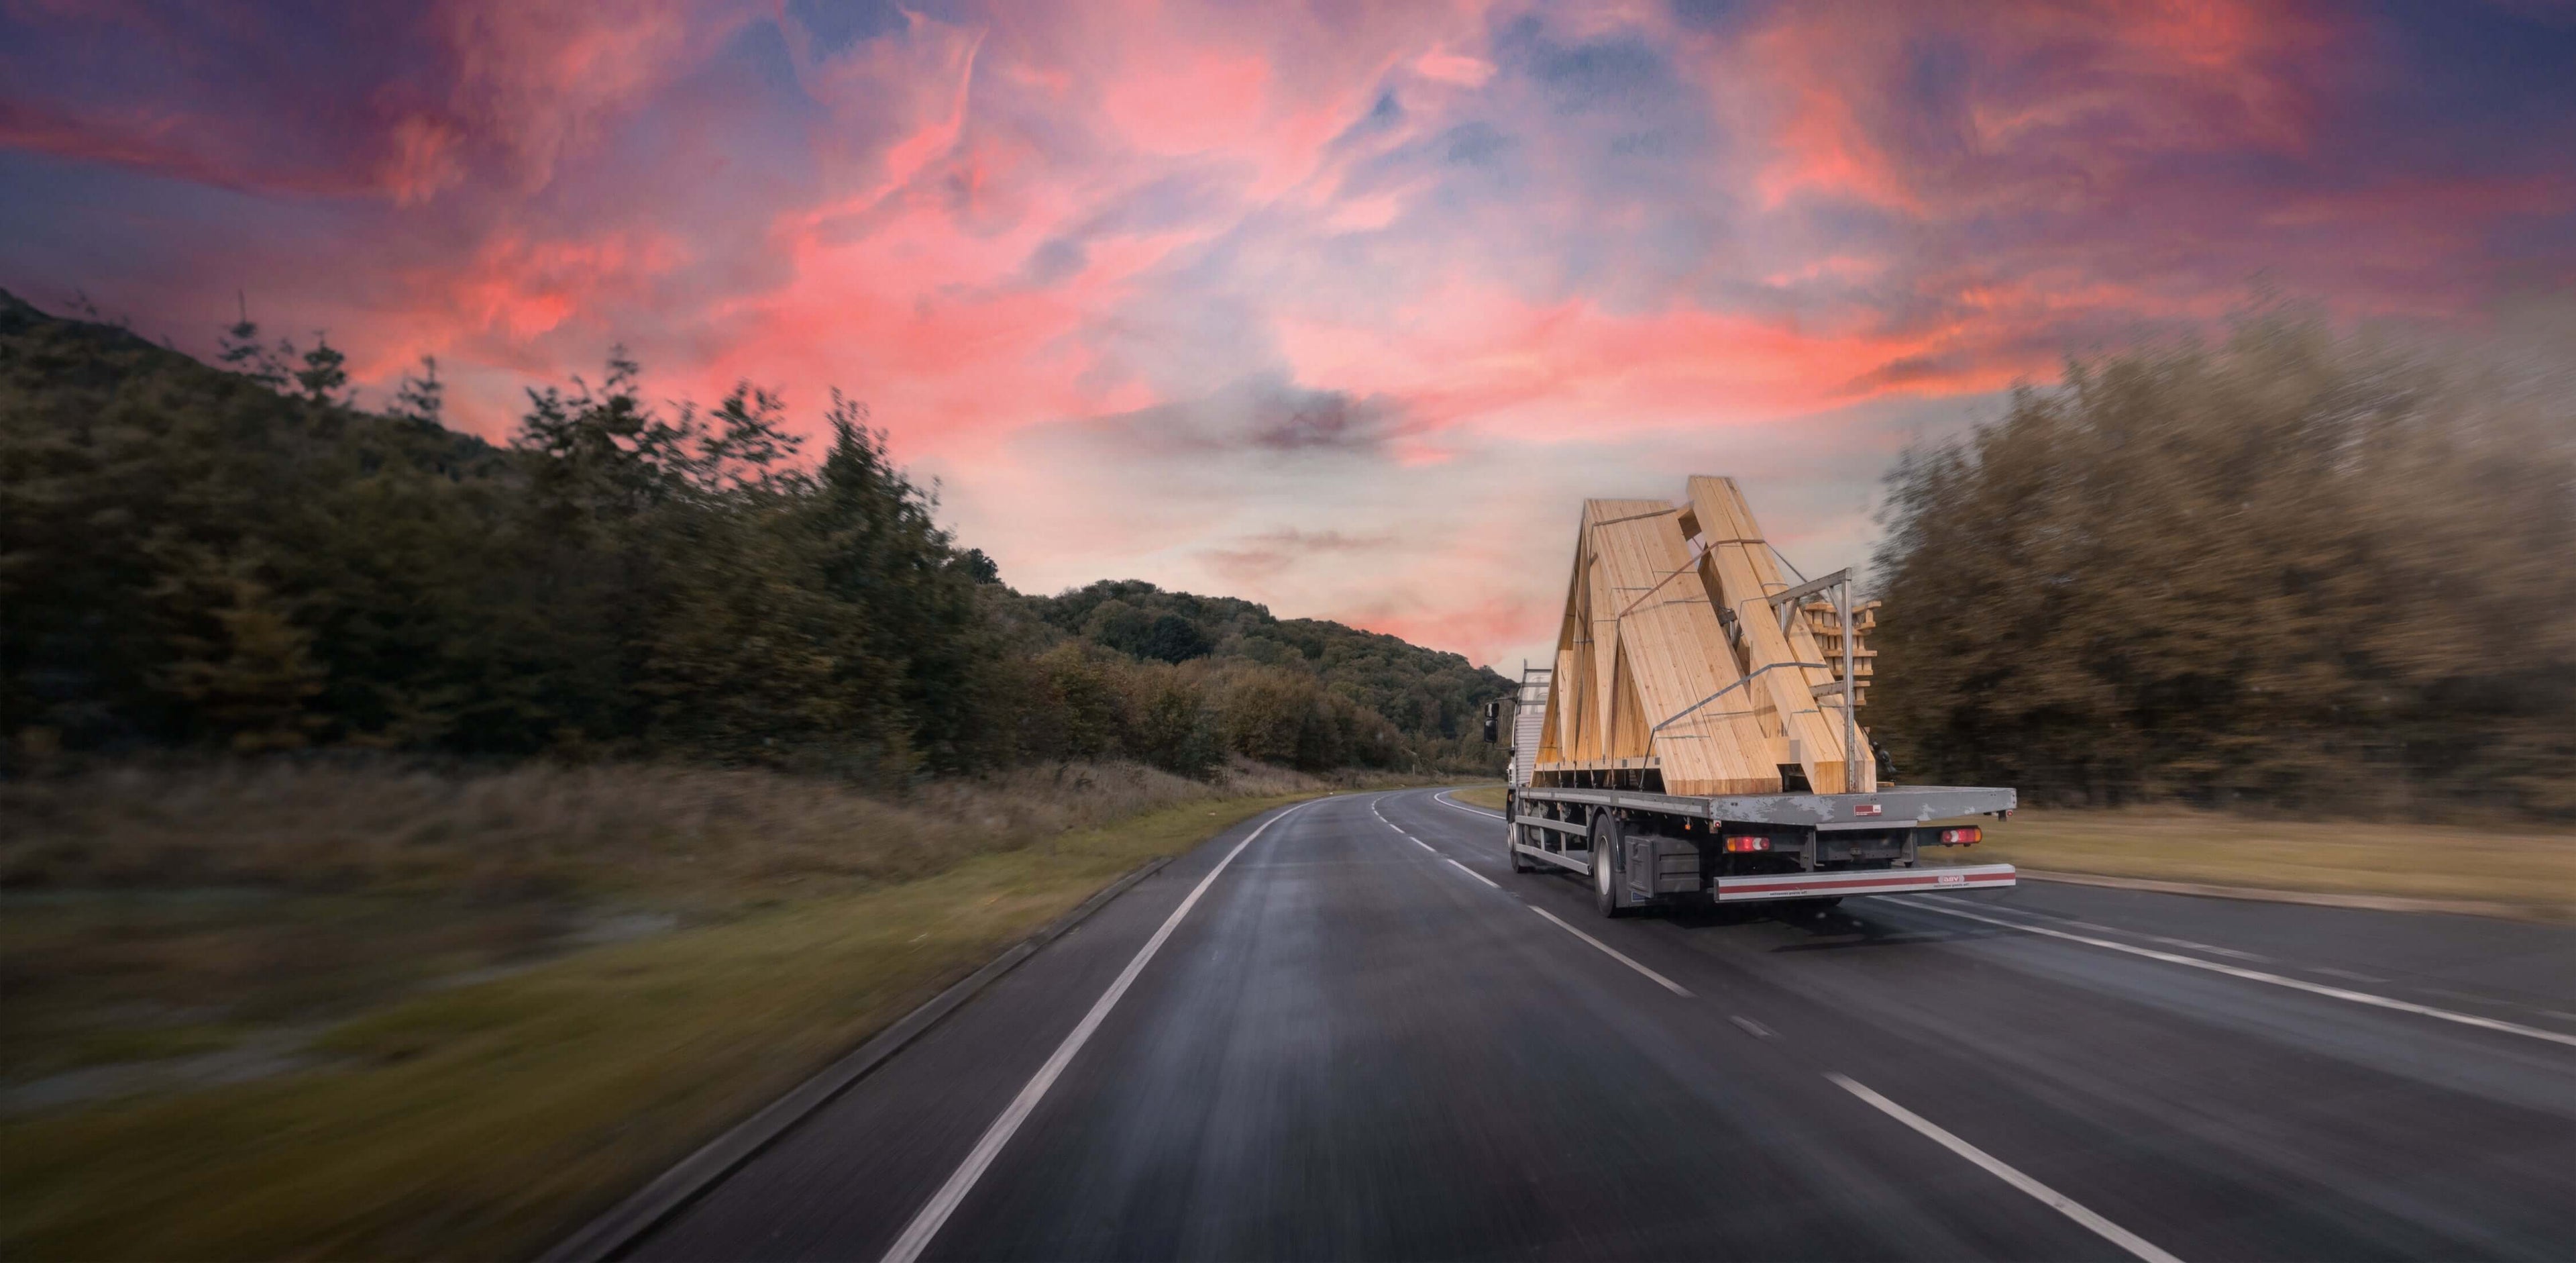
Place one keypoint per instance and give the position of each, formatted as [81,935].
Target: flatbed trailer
[1640,849]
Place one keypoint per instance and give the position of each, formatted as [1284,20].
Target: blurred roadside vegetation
[275,1009]
[238,560]
[2293,572]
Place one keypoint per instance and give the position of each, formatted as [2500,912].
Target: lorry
[1698,737]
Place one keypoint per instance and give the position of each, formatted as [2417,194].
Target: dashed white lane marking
[1606,949]
[1753,1028]
[2255,975]
[1381,819]
[932,1216]
[1445,800]
[2059,1202]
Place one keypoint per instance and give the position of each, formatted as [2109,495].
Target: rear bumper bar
[1894,881]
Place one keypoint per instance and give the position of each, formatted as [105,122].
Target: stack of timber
[1674,665]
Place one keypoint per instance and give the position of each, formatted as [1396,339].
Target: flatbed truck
[1698,737]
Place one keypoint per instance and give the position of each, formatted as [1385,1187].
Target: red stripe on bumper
[1742,889]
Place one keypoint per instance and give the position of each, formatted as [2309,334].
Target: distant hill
[1423,692]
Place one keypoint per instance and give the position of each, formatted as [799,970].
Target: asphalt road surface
[1365,1038]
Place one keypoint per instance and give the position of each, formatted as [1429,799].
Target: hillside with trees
[1425,693]
[2295,570]
[238,559]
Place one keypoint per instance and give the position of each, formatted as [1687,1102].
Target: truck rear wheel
[1607,898]
[1513,836]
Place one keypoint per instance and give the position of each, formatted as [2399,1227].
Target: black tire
[1512,836]
[1607,898]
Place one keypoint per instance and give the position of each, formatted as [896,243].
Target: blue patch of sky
[1621,72]
[837,25]
[108,229]
[2455,89]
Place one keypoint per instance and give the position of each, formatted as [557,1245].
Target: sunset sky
[1336,307]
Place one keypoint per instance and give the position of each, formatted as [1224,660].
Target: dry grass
[541,831]
[2518,869]
[1489,797]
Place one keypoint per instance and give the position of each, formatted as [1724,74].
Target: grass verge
[1489,797]
[2523,871]
[485,1120]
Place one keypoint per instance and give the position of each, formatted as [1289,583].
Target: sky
[1340,308]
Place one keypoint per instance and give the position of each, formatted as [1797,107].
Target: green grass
[484,1121]
[1489,797]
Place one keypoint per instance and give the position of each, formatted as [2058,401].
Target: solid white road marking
[1419,842]
[1753,1028]
[2059,1202]
[926,1224]
[1612,952]
[2257,975]
[1445,800]
[1468,871]
[2211,948]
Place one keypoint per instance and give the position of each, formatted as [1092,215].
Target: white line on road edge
[1445,800]
[926,1224]
[2060,1202]
[1468,871]
[1419,842]
[2211,948]
[2257,975]
[1612,952]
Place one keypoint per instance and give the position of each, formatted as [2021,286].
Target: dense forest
[2295,569]
[236,558]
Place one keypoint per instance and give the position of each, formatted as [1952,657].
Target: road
[1366,1039]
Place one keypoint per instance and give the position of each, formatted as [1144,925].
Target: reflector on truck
[1885,881]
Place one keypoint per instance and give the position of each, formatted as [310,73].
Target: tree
[422,397]
[325,373]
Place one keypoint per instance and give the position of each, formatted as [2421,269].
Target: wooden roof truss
[1682,649]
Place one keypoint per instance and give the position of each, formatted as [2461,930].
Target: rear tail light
[1748,843]
[1969,836]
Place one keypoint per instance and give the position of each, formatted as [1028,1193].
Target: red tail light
[1969,836]
[1746,842]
